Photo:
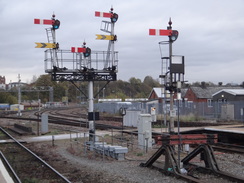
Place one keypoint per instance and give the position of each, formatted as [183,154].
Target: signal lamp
[174,35]
[114,17]
[56,24]
[87,53]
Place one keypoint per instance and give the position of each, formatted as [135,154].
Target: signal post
[82,63]
[173,72]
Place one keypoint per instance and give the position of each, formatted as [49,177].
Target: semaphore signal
[43,21]
[103,14]
[78,50]
[160,32]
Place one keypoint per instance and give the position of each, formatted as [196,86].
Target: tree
[134,88]
[134,81]
[148,80]
[34,79]
[44,80]
[59,88]
[8,98]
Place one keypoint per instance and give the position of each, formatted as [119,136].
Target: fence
[231,110]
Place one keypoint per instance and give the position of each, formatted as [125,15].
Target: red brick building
[2,80]
[2,83]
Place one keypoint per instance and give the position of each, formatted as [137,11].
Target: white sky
[210,35]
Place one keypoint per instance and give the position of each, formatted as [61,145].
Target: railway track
[70,122]
[215,174]
[78,113]
[74,119]
[62,118]
[25,165]
[199,174]
[229,147]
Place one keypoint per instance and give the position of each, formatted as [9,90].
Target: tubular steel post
[54,50]
[112,43]
[178,125]
[19,96]
[131,138]
[171,124]
[112,137]
[165,102]
[91,108]
[38,116]
[85,143]
[53,140]
[50,94]
[55,59]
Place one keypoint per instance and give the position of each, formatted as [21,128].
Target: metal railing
[75,62]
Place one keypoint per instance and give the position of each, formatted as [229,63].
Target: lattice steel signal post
[173,69]
[82,63]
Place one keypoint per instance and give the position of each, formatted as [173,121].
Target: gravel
[70,160]
[91,167]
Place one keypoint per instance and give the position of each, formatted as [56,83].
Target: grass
[158,126]
[31,180]
[139,154]
[53,132]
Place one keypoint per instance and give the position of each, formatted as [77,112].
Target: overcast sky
[210,35]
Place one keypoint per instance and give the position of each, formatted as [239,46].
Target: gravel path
[120,171]
[91,168]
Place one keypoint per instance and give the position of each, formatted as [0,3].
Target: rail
[37,157]
[229,147]
[5,161]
